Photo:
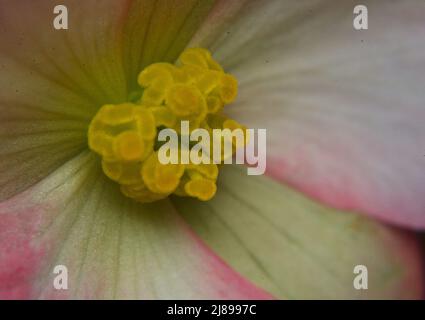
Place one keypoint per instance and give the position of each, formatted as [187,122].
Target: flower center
[195,89]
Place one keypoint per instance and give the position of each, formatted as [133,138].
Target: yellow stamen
[195,89]
[184,100]
[129,146]
[203,189]
[160,178]
[228,88]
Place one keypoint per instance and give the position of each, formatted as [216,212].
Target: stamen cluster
[195,89]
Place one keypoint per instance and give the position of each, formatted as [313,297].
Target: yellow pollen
[129,146]
[195,89]
[203,189]
[184,100]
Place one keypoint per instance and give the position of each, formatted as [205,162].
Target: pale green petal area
[112,247]
[217,26]
[52,82]
[159,30]
[344,109]
[298,249]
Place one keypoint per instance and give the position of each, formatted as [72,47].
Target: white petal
[344,109]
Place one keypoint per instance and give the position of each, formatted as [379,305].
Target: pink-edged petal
[296,248]
[344,109]
[111,246]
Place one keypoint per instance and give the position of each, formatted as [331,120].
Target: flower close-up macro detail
[82,185]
